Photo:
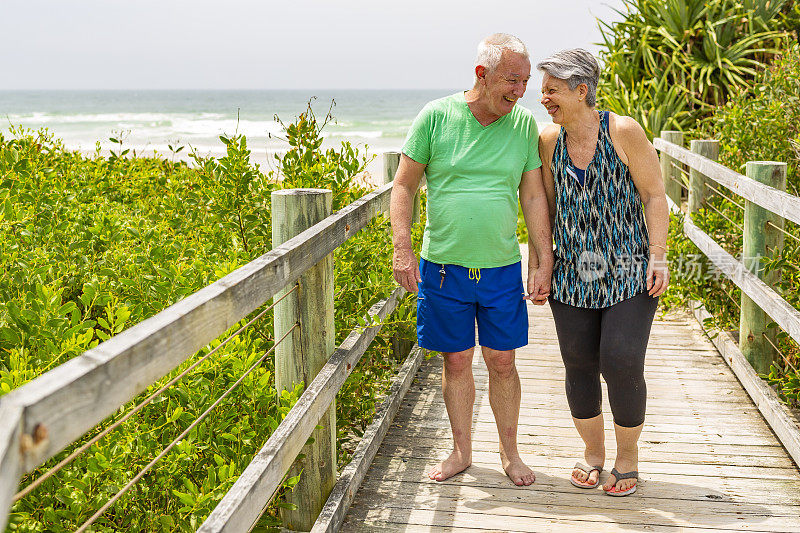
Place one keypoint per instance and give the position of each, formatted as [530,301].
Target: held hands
[657,275]
[539,279]
[406,269]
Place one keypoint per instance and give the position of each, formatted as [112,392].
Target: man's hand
[406,269]
[539,279]
[657,275]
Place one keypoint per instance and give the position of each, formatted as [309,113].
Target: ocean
[150,120]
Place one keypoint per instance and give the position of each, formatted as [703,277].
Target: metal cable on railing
[64,462]
[723,215]
[679,168]
[180,437]
[731,200]
[738,306]
[780,353]
[679,182]
[795,237]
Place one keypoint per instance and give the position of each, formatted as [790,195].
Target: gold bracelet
[658,246]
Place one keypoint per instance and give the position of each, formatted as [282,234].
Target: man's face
[507,83]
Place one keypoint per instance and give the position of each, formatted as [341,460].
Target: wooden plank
[707,454]
[10,457]
[74,397]
[779,309]
[543,424]
[566,500]
[556,477]
[243,503]
[694,410]
[646,466]
[662,391]
[335,509]
[777,201]
[777,415]
[359,526]
[526,522]
[493,510]
[487,429]
[732,422]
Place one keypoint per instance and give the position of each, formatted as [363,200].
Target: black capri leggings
[611,341]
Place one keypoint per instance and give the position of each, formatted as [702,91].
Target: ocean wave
[45,118]
[364,134]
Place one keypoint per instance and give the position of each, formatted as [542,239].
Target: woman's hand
[657,275]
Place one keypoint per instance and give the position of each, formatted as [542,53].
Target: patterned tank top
[601,240]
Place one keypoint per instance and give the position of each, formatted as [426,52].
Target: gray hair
[490,50]
[575,66]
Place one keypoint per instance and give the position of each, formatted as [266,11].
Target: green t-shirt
[473,175]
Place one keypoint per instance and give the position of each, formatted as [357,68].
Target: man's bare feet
[455,463]
[518,471]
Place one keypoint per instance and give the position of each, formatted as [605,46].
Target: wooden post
[301,355]
[760,240]
[698,192]
[671,176]
[391,160]
[10,456]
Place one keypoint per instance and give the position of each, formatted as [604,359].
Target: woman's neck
[584,126]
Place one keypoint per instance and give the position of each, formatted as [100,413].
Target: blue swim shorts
[452,298]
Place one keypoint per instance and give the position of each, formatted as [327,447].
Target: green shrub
[759,122]
[91,245]
[668,63]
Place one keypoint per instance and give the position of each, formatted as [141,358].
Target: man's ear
[480,72]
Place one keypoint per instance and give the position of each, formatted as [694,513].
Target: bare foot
[455,463]
[518,471]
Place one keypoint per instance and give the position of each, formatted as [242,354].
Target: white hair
[490,50]
[574,66]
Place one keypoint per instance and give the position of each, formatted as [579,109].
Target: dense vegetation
[718,69]
[92,245]
[669,63]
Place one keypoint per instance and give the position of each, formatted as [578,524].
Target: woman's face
[559,100]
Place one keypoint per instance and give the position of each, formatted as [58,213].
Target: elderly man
[478,149]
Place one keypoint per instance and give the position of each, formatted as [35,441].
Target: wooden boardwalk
[708,461]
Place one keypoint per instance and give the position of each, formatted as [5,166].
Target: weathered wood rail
[43,417]
[766,207]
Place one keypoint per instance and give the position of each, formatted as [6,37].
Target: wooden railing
[43,417]
[766,207]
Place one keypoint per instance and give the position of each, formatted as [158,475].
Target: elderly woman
[609,215]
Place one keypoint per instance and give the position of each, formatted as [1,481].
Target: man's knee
[458,363]
[499,363]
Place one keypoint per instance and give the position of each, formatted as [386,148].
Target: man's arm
[646,174]
[404,261]
[533,200]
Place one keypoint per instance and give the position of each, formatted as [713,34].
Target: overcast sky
[291,44]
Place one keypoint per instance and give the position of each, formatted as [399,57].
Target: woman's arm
[643,163]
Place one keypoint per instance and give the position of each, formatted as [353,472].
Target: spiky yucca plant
[668,63]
